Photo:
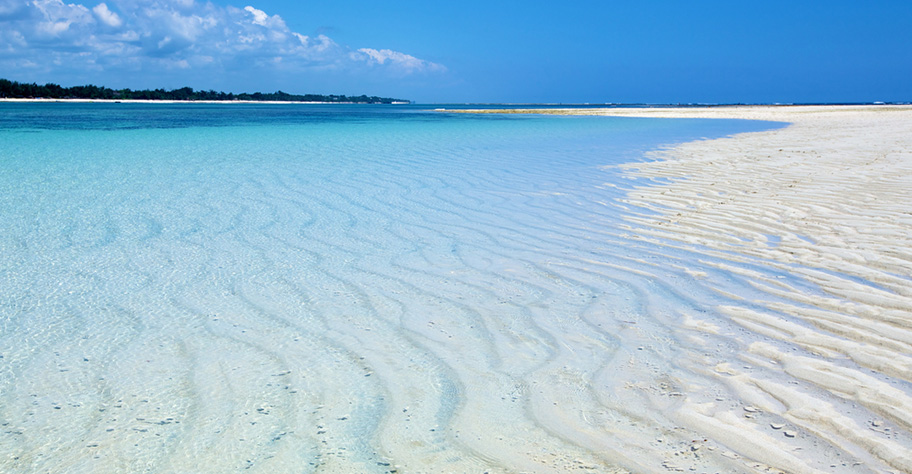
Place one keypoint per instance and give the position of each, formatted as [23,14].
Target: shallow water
[210,288]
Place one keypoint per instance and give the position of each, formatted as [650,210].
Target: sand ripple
[815,217]
[193,310]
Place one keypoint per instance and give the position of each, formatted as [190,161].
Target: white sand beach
[144,101]
[827,199]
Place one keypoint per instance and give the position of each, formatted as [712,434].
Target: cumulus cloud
[55,19]
[144,35]
[106,16]
[401,61]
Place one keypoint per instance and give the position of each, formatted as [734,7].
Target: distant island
[17,90]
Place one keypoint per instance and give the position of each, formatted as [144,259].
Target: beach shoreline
[457,295]
[141,101]
[824,200]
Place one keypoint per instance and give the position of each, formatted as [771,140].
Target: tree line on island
[17,90]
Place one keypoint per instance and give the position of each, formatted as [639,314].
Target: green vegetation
[17,90]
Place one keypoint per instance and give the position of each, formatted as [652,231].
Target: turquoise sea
[307,288]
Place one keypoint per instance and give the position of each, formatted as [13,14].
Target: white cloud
[54,18]
[13,40]
[259,16]
[401,61]
[322,45]
[106,16]
[145,35]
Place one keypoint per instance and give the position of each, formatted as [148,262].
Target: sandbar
[826,201]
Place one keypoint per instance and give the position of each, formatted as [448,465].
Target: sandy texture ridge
[827,203]
[829,200]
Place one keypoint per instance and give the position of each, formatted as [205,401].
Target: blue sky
[473,50]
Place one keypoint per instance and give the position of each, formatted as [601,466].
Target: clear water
[213,288]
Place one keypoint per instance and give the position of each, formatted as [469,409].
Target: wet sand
[827,200]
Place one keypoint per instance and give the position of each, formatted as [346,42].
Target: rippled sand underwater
[355,291]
